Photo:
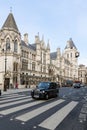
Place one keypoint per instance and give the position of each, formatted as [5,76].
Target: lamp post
[5,52]
[5,83]
[86,79]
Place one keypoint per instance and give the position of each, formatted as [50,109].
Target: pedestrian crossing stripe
[16,102]
[18,108]
[53,121]
[29,115]
[8,95]
[50,122]
[14,99]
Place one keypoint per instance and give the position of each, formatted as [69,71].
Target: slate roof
[53,55]
[70,44]
[31,46]
[10,23]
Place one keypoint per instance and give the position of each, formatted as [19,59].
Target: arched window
[15,46]
[71,55]
[7,44]
[67,56]
[15,66]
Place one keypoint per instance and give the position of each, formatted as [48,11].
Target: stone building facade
[10,52]
[27,64]
[82,73]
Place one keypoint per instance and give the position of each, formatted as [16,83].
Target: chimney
[26,38]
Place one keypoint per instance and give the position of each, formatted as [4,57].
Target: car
[82,85]
[76,85]
[45,90]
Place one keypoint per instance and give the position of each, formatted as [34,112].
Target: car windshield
[43,85]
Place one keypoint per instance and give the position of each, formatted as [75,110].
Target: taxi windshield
[43,85]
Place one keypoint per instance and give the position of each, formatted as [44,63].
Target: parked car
[45,90]
[82,85]
[76,85]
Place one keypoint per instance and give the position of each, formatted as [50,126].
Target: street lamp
[5,83]
[85,78]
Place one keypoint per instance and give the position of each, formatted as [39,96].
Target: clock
[77,54]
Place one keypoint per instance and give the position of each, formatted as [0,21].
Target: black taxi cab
[45,90]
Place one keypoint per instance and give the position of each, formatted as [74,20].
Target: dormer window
[15,46]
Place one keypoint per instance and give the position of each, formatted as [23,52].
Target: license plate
[36,96]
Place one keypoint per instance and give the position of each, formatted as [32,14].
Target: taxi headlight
[42,91]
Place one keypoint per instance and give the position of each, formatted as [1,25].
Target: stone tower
[71,54]
[10,40]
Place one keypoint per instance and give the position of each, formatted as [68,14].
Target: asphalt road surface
[18,111]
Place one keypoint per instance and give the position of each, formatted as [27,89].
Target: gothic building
[10,52]
[66,63]
[27,64]
[82,73]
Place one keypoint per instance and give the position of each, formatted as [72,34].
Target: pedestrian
[16,86]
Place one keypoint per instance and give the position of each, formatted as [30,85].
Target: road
[18,111]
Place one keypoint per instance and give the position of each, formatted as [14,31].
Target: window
[44,58]
[24,64]
[15,66]
[15,46]
[33,66]
[67,55]
[71,55]
[7,44]
[44,69]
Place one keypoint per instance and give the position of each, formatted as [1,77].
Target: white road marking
[16,102]
[82,117]
[14,99]
[29,115]
[18,108]
[53,121]
[8,96]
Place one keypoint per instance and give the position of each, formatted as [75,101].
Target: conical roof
[70,44]
[10,23]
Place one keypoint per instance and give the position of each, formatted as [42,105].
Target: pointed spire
[42,38]
[42,41]
[70,44]
[10,22]
[48,45]
[58,51]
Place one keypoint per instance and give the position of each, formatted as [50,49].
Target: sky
[56,20]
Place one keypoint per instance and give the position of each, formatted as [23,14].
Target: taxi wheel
[47,97]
